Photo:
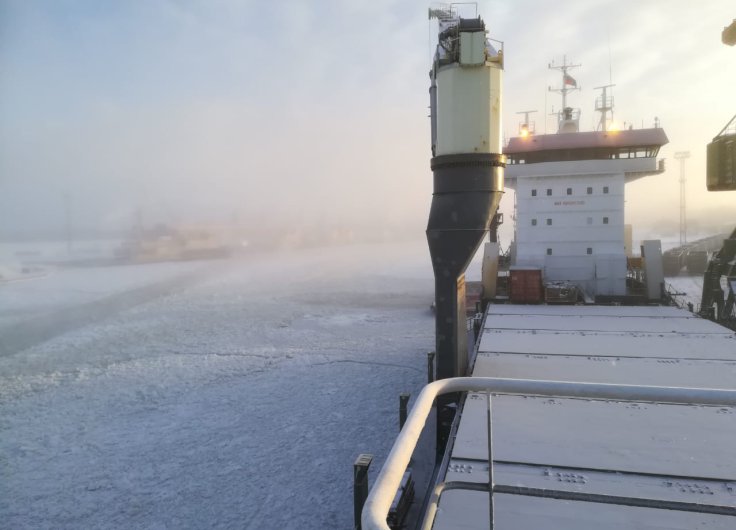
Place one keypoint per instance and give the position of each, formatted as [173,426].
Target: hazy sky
[304,111]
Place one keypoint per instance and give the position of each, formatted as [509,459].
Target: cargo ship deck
[564,463]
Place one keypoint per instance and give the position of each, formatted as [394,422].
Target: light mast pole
[682,156]
[68,222]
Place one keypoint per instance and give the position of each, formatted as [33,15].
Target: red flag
[568,80]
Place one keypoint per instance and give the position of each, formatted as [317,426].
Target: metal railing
[379,500]
[670,294]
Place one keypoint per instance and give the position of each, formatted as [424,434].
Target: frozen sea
[229,394]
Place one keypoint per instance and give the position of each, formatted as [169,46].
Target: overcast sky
[304,111]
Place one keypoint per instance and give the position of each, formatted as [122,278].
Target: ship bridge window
[549,251]
[549,192]
[590,190]
[534,222]
[590,250]
[584,153]
[549,222]
[569,191]
[605,220]
[534,193]
[637,152]
[605,189]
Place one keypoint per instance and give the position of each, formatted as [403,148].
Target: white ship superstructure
[570,194]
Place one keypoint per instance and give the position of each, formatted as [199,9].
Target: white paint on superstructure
[572,227]
[570,217]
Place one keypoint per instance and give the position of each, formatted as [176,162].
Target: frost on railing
[384,490]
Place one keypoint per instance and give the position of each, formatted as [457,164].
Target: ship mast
[567,79]
[604,105]
[567,120]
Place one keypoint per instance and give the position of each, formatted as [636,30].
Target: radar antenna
[526,128]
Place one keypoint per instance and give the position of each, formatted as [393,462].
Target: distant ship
[165,243]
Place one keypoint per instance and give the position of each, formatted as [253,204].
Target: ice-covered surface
[594,448]
[690,289]
[239,401]
[60,288]
[27,252]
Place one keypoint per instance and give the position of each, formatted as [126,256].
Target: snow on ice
[238,401]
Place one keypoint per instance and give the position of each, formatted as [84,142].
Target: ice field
[237,397]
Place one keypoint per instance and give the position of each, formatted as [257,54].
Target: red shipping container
[526,286]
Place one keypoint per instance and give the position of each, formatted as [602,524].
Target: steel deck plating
[565,463]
